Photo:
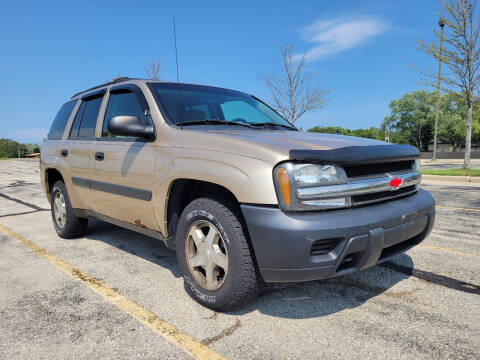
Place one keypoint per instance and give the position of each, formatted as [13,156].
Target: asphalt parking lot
[424,304]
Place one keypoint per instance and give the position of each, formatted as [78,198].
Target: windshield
[185,103]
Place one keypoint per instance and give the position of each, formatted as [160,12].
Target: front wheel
[214,256]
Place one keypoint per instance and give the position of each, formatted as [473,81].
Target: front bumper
[362,236]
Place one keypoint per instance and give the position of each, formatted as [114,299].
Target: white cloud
[340,34]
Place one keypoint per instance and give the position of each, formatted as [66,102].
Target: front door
[123,174]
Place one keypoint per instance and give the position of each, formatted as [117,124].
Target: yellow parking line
[192,347]
[456,208]
[447,250]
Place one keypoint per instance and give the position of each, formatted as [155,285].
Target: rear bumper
[362,237]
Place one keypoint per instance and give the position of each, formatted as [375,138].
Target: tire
[240,282]
[71,226]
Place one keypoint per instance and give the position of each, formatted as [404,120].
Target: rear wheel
[214,256]
[66,224]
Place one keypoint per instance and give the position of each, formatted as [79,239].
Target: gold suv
[241,194]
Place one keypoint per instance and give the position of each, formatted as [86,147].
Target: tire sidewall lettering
[204,297]
[204,214]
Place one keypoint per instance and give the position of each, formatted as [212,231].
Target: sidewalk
[448,161]
[456,180]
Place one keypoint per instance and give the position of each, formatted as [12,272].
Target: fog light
[326,203]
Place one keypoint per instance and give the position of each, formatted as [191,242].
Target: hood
[264,144]
[296,140]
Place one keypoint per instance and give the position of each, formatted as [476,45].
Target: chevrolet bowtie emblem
[395,183]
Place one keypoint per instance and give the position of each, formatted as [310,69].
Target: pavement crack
[23,213]
[33,206]
[213,316]
[18,183]
[224,333]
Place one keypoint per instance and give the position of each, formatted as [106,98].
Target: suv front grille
[353,171]
[366,171]
[382,195]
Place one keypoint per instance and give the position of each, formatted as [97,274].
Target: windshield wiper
[275,124]
[213,121]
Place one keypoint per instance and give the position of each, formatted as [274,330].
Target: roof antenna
[179,112]
[176,51]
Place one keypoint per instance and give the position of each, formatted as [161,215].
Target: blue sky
[362,50]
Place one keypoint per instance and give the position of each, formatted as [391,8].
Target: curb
[443,178]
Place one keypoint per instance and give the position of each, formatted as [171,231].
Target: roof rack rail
[114,81]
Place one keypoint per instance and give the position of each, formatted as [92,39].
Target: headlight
[289,177]
[418,165]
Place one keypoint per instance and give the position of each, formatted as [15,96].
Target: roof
[124,78]
[114,81]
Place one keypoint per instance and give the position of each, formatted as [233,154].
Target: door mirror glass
[130,125]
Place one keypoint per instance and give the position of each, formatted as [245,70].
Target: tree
[153,69]
[451,127]
[291,89]
[461,55]
[412,115]
[330,130]
[453,111]
[12,149]
[371,133]
[32,148]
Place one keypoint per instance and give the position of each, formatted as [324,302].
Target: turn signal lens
[284,185]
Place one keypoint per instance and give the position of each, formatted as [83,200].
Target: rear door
[123,174]
[77,150]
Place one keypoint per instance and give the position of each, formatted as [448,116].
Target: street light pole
[441,23]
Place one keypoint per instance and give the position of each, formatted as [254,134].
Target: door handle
[99,156]
[64,152]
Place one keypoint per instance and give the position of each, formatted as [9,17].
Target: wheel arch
[182,191]
[52,175]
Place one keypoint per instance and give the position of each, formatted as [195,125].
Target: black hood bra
[355,155]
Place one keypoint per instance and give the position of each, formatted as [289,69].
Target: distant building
[447,147]
[441,146]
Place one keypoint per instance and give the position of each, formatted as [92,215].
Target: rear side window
[60,121]
[77,121]
[89,119]
[86,119]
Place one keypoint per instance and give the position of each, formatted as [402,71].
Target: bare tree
[461,55]
[291,89]
[153,69]
[112,78]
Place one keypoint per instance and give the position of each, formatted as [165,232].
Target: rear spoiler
[357,155]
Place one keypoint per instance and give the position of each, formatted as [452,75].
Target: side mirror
[129,125]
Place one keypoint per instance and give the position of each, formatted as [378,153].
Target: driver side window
[124,103]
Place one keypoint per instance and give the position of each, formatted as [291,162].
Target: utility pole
[441,23]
